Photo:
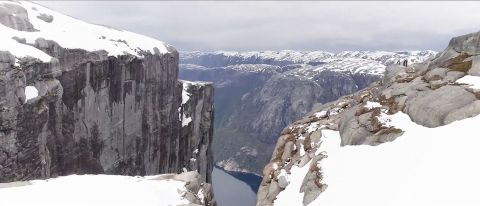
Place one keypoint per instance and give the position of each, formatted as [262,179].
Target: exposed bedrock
[100,114]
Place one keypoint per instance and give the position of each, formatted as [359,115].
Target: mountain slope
[420,121]
[259,93]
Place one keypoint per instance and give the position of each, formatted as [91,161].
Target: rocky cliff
[78,98]
[259,93]
[406,116]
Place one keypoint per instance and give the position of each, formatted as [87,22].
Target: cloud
[332,26]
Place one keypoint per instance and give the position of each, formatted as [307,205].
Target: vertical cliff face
[196,115]
[94,111]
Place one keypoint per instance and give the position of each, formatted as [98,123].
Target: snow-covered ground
[94,190]
[72,33]
[424,166]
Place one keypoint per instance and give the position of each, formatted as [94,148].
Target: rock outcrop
[432,94]
[116,110]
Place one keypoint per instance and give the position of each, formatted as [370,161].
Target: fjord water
[230,191]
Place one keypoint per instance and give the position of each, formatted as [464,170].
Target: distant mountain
[288,57]
[257,94]
[408,139]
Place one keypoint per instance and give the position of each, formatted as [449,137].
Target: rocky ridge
[433,93]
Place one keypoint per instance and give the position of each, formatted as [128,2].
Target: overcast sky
[244,26]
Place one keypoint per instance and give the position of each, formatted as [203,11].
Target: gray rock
[436,74]
[282,182]
[469,44]
[287,152]
[475,70]
[467,111]
[273,191]
[452,76]
[15,17]
[46,17]
[430,108]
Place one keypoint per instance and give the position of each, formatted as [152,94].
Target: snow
[96,190]
[321,114]
[424,166]
[275,166]
[313,127]
[185,97]
[385,119]
[72,33]
[472,81]
[302,57]
[186,121]
[20,50]
[185,94]
[301,150]
[371,105]
[291,195]
[30,93]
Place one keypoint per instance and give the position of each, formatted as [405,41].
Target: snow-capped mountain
[408,139]
[287,57]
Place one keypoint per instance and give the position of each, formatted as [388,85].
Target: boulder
[430,108]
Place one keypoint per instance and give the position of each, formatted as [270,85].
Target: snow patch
[321,114]
[472,81]
[371,105]
[30,93]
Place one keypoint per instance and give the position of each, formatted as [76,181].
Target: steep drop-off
[104,101]
[259,93]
